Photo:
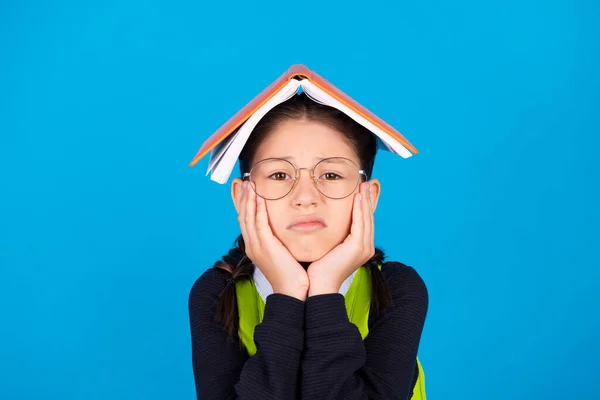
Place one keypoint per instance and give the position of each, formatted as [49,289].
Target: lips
[307,223]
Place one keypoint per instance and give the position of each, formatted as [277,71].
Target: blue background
[104,227]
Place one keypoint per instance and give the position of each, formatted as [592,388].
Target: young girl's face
[305,143]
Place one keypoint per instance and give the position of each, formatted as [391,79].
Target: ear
[236,193]
[375,191]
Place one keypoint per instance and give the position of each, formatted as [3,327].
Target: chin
[309,247]
[307,253]
[305,256]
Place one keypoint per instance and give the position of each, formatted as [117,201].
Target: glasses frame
[314,180]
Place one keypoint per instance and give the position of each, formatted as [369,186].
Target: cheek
[341,218]
[276,217]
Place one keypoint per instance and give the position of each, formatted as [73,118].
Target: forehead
[305,142]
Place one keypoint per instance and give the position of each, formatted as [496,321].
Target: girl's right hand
[283,272]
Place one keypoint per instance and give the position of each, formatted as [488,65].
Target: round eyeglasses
[275,178]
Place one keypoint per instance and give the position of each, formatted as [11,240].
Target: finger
[263,229]
[242,215]
[357,227]
[372,225]
[372,214]
[251,215]
[367,217]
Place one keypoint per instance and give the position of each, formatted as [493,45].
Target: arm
[339,365]
[222,369]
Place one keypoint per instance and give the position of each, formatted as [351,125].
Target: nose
[305,193]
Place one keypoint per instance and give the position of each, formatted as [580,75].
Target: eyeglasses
[275,178]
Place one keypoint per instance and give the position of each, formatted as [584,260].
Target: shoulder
[404,282]
[209,285]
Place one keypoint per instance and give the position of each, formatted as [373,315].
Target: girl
[305,204]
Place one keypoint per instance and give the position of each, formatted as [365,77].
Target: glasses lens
[273,178]
[337,177]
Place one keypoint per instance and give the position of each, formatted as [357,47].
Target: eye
[330,176]
[279,176]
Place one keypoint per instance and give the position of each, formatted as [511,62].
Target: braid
[239,267]
[380,293]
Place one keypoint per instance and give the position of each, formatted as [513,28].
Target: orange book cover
[299,71]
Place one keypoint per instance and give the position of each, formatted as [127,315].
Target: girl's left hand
[327,274]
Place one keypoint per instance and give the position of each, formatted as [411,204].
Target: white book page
[322,97]
[218,151]
[225,160]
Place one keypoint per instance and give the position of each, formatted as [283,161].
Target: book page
[218,151]
[225,160]
[322,97]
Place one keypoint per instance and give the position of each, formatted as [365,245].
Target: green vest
[251,309]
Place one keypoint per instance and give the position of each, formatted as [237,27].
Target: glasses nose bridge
[311,176]
[311,172]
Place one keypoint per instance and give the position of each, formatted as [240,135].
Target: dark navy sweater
[309,349]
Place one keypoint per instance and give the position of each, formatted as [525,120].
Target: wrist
[318,286]
[299,292]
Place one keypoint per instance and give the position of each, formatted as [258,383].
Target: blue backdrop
[104,227]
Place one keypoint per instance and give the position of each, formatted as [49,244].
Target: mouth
[307,224]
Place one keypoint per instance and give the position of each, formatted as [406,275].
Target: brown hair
[299,107]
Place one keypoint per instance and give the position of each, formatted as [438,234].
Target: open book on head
[226,144]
